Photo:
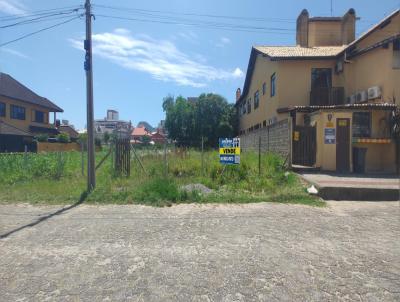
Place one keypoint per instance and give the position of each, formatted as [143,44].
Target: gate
[123,156]
[304,145]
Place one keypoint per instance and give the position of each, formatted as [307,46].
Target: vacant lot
[156,179]
[256,252]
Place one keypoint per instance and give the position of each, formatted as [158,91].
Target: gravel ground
[348,251]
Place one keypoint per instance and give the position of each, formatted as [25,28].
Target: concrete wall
[324,33]
[29,114]
[263,70]
[57,147]
[274,138]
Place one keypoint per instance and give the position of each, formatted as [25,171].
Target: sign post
[229,151]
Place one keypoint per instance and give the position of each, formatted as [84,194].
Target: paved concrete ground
[353,181]
[259,252]
[354,187]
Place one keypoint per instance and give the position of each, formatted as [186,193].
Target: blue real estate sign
[229,151]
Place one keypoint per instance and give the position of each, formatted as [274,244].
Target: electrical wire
[230,27]
[38,13]
[42,18]
[40,30]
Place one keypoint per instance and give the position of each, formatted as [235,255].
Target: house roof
[359,106]
[7,129]
[276,53]
[297,52]
[140,131]
[377,26]
[10,87]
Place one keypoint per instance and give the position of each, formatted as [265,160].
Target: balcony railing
[326,96]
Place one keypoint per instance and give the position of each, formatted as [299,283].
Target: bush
[42,138]
[63,138]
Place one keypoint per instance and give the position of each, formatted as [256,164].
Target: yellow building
[23,115]
[328,80]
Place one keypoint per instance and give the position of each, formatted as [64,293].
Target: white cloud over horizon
[159,58]
[14,53]
[12,7]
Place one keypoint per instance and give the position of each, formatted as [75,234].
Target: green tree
[211,117]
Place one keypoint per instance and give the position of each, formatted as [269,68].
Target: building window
[244,107]
[248,106]
[256,100]
[396,54]
[321,78]
[17,112]
[361,124]
[2,109]
[39,116]
[273,85]
[264,88]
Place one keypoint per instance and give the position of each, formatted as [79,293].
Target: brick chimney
[238,94]
[302,29]
[349,27]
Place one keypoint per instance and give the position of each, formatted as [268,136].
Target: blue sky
[137,63]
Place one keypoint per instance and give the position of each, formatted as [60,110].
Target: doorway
[343,145]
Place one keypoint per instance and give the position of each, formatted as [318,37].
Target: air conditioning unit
[362,96]
[374,92]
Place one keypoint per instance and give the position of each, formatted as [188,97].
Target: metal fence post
[202,156]
[165,158]
[259,155]
[82,160]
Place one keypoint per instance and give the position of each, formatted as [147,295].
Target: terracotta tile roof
[10,87]
[140,131]
[8,129]
[283,52]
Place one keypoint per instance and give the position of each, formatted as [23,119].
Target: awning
[362,106]
[7,129]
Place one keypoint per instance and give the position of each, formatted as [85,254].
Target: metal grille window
[17,112]
[256,100]
[264,88]
[248,106]
[361,124]
[2,109]
[39,116]
[273,85]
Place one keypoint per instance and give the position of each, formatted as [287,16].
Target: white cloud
[238,73]
[223,42]
[12,7]
[14,52]
[159,58]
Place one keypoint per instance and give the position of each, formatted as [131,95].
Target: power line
[40,30]
[38,13]
[222,26]
[194,14]
[42,18]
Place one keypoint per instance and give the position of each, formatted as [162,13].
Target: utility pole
[91,174]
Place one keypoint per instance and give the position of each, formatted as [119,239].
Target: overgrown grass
[56,178]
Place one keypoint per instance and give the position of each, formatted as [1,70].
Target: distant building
[65,127]
[112,124]
[23,115]
[138,133]
[145,124]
